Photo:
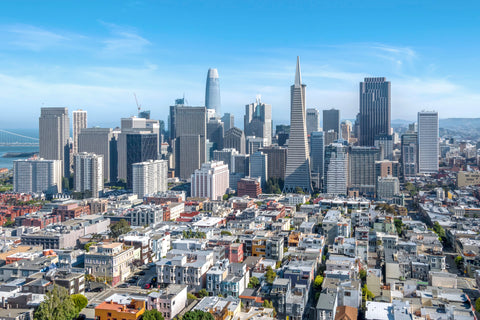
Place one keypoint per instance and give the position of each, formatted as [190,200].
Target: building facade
[79,123]
[313,120]
[331,121]
[37,175]
[428,147]
[149,177]
[258,121]
[210,181]
[88,173]
[212,92]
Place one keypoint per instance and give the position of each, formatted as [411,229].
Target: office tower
[210,181]
[375,109]
[101,141]
[259,166]
[282,132]
[241,164]
[235,138]
[190,132]
[330,137]
[409,157]
[141,147]
[149,177]
[412,128]
[258,121]
[313,120]
[212,91]
[428,147]
[54,127]
[249,187]
[317,153]
[387,187]
[255,143]
[277,161]
[130,126]
[336,169]
[226,156]
[37,175]
[356,127]
[385,143]
[88,173]
[145,114]
[228,121]
[331,121]
[385,168]
[361,164]
[297,173]
[346,130]
[215,133]
[79,123]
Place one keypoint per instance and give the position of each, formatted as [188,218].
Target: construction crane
[136,100]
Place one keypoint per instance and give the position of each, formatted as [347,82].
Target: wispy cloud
[22,36]
[123,40]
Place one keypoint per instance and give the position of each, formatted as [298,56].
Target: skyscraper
[79,123]
[234,138]
[212,91]
[375,109]
[361,173]
[215,133]
[54,127]
[88,173]
[259,166]
[141,146]
[317,154]
[428,142]
[336,169]
[228,121]
[37,175]
[346,130]
[258,121]
[331,121]
[277,161]
[297,173]
[409,159]
[313,120]
[150,177]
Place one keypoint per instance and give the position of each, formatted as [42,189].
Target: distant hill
[460,123]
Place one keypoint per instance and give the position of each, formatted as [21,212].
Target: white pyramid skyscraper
[297,173]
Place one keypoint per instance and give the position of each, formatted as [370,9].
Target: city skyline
[98,61]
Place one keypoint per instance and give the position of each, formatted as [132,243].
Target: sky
[95,55]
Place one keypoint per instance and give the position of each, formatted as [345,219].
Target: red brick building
[249,187]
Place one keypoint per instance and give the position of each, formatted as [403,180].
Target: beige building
[465,178]
[79,123]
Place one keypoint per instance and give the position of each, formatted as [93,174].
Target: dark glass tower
[140,147]
[331,121]
[375,109]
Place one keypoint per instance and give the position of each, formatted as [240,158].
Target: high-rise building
[249,187]
[210,181]
[215,133]
[88,173]
[259,166]
[258,121]
[79,123]
[241,164]
[226,156]
[54,127]
[330,136]
[190,133]
[409,158]
[101,141]
[212,91]
[385,168]
[361,166]
[297,173]
[428,148]
[313,120]
[254,143]
[149,177]
[346,130]
[277,161]
[336,169]
[141,147]
[375,109]
[385,143]
[235,138]
[387,187]
[228,121]
[331,121]
[37,175]
[317,154]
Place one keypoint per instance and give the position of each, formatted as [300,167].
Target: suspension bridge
[9,138]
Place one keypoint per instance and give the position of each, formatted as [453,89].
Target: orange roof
[346,313]
[113,306]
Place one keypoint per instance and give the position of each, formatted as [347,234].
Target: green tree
[458,261]
[270,275]
[398,225]
[58,305]
[191,296]
[317,283]
[80,301]
[153,314]
[88,245]
[197,315]
[202,293]
[225,233]
[363,275]
[477,305]
[119,228]
[269,304]
[367,294]
[253,283]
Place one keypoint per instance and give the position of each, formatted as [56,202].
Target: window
[109,314]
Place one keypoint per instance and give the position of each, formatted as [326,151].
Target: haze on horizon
[94,56]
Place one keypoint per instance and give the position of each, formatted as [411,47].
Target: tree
[398,225]
[225,233]
[367,294]
[317,283]
[191,296]
[119,228]
[269,304]
[363,275]
[58,305]
[458,261]
[254,282]
[477,305]
[202,293]
[153,314]
[88,245]
[197,315]
[270,275]
[80,301]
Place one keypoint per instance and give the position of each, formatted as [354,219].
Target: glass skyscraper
[212,91]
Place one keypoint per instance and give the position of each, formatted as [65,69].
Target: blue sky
[95,54]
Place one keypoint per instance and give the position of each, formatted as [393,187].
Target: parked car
[97,289]
[147,286]
[124,285]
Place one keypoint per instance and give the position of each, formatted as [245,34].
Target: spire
[298,76]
